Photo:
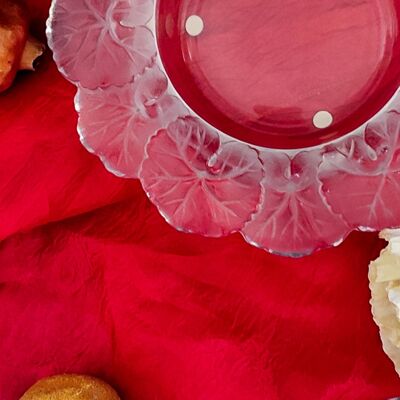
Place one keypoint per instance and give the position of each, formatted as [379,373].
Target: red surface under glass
[261,70]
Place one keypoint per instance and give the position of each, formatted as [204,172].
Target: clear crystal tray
[278,119]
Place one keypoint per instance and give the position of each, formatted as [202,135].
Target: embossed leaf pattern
[198,183]
[94,43]
[294,218]
[133,12]
[116,122]
[361,176]
[289,203]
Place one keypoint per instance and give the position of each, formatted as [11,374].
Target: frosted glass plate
[278,119]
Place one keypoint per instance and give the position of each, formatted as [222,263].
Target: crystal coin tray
[277,119]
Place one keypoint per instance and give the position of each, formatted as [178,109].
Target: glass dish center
[281,73]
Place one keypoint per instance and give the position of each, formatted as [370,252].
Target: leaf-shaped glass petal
[199,184]
[294,218]
[361,176]
[116,122]
[91,47]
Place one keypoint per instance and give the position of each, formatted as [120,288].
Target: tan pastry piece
[384,277]
[18,50]
[70,387]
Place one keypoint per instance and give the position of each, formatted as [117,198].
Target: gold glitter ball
[70,387]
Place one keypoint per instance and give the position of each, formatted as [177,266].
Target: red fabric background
[92,280]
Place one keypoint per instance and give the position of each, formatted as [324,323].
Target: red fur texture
[92,280]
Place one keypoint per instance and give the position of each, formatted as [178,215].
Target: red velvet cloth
[92,280]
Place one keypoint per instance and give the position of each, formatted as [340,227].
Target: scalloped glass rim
[288,202]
